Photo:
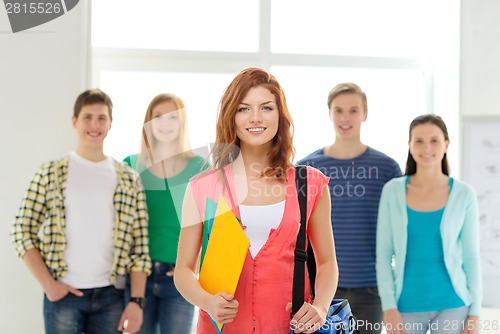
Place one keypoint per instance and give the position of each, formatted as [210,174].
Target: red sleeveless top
[265,284]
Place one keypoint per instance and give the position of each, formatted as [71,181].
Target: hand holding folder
[226,249]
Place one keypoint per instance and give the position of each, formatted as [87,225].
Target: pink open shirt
[265,284]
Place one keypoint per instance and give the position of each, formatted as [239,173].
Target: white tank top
[259,221]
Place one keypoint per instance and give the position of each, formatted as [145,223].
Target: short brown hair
[347,88]
[92,96]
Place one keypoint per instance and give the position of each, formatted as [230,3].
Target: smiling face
[165,124]
[257,118]
[92,125]
[347,113]
[428,145]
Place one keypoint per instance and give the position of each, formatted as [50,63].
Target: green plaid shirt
[40,222]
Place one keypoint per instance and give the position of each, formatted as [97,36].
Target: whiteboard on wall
[481,169]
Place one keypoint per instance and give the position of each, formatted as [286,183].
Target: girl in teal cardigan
[428,261]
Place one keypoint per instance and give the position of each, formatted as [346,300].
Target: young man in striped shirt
[357,174]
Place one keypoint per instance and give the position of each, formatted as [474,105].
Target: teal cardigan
[459,232]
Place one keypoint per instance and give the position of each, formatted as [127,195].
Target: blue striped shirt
[355,188]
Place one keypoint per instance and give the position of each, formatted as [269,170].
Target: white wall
[480,83]
[42,71]
[480,58]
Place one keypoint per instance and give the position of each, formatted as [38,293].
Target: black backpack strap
[300,246]
[311,268]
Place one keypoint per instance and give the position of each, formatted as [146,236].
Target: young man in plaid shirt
[82,227]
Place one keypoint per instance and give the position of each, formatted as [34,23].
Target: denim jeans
[365,306]
[166,311]
[98,311]
[450,321]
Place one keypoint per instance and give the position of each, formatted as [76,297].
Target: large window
[215,25]
[405,55]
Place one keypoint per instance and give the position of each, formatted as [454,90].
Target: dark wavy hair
[227,143]
[411,165]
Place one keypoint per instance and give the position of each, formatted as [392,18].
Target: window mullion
[265,34]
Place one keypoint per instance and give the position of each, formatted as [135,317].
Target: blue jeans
[166,311]
[450,321]
[365,306]
[98,311]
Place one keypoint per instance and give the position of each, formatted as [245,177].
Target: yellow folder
[225,253]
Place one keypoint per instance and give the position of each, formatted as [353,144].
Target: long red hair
[227,143]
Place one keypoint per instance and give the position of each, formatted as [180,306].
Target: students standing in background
[357,174]
[428,260]
[82,227]
[165,163]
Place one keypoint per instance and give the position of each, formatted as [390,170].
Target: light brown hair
[347,88]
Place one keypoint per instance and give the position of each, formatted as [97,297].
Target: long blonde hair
[148,140]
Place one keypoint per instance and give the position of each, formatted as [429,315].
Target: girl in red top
[252,170]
